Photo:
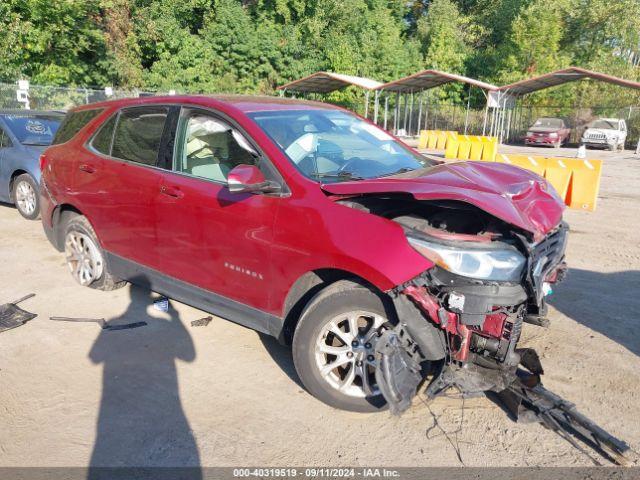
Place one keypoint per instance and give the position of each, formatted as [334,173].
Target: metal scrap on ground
[100,321]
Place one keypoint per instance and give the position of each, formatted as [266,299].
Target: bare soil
[168,393]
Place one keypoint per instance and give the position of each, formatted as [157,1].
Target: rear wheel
[25,196]
[334,346]
[84,256]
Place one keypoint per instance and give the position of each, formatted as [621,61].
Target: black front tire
[339,298]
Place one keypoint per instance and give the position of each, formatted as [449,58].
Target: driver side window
[207,147]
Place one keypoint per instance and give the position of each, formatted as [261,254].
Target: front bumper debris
[470,330]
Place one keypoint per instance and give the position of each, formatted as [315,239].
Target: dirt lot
[222,395]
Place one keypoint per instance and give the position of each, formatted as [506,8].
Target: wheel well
[59,217]
[15,175]
[305,288]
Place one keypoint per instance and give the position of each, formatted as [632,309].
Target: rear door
[118,184]
[209,237]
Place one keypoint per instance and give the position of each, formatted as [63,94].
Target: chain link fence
[59,98]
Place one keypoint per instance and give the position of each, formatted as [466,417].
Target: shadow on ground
[141,422]
[281,354]
[608,303]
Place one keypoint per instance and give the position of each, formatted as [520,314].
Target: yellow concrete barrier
[441,140]
[534,163]
[582,193]
[558,174]
[490,150]
[475,152]
[423,139]
[464,147]
[433,140]
[451,150]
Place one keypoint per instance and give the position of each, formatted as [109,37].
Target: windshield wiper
[400,170]
[343,175]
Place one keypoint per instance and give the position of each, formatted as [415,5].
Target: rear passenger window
[138,134]
[74,122]
[102,141]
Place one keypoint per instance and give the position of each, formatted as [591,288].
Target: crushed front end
[479,320]
[471,326]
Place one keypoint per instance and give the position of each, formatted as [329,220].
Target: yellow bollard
[583,190]
[558,174]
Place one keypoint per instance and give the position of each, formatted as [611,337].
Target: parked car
[24,134]
[306,222]
[609,133]
[548,131]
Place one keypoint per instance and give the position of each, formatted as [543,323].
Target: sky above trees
[252,46]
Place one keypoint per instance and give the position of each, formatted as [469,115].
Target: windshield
[604,124]
[31,129]
[333,146]
[549,122]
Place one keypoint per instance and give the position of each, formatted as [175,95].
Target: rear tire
[26,198]
[340,326]
[85,257]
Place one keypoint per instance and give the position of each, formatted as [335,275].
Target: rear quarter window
[103,139]
[138,134]
[74,122]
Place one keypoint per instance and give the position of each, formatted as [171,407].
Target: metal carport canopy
[427,79]
[325,82]
[560,77]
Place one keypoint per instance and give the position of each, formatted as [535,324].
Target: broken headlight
[500,264]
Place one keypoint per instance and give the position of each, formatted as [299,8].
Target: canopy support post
[386,110]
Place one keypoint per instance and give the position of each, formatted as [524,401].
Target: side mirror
[249,179]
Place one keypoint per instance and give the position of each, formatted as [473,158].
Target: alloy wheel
[345,352]
[26,198]
[83,257]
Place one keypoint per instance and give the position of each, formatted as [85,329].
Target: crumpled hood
[510,193]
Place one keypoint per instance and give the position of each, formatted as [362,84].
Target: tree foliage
[254,45]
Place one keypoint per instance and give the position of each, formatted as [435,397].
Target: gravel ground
[222,395]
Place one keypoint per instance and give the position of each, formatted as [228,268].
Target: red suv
[306,222]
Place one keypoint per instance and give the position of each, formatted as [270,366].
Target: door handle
[171,191]
[87,168]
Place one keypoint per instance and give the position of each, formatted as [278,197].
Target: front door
[209,237]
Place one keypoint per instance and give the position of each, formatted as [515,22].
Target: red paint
[515,195]
[493,324]
[253,247]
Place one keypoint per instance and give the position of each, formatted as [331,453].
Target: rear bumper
[47,209]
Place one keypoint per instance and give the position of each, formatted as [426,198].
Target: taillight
[43,162]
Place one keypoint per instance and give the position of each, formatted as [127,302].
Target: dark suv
[306,222]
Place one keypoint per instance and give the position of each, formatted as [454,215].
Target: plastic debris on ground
[12,316]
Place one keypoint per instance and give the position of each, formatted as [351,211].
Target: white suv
[606,132]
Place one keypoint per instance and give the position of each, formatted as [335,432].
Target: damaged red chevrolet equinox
[304,221]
